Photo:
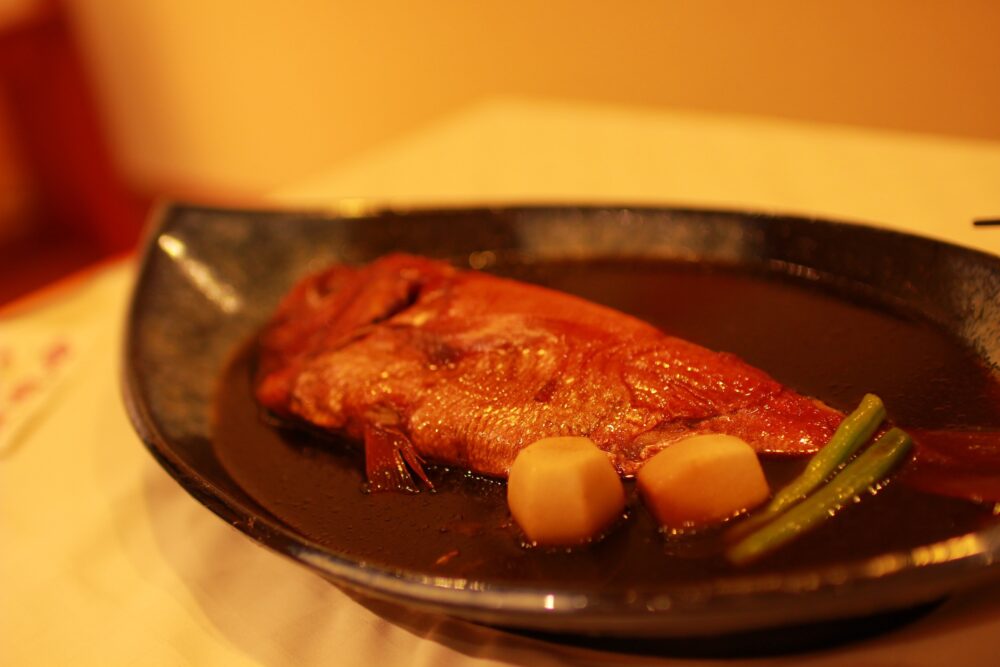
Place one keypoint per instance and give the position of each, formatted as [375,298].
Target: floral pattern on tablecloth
[32,366]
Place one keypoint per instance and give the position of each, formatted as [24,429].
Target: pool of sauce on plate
[822,341]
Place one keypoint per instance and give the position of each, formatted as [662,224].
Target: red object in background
[81,209]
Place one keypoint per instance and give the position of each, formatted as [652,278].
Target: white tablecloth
[104,560]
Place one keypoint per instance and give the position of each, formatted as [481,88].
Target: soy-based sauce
[822,341]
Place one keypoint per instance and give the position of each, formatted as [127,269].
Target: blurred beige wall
[230,98]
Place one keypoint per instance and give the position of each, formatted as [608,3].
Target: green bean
[854,431]
[860,475]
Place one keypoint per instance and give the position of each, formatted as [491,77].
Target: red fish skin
[471,368]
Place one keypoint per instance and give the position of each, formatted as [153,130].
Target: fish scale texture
[470,368]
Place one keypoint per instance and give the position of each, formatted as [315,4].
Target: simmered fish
[426,362]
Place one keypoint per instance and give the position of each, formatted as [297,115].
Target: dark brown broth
[821,342]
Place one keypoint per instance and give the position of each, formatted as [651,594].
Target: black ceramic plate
[210,277]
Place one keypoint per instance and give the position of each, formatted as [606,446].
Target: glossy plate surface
[210,277]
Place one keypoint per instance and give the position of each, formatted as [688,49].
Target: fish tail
[961,463]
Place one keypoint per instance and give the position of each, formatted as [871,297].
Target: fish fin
[390,460]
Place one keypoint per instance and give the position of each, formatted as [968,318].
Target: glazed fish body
[465,368]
